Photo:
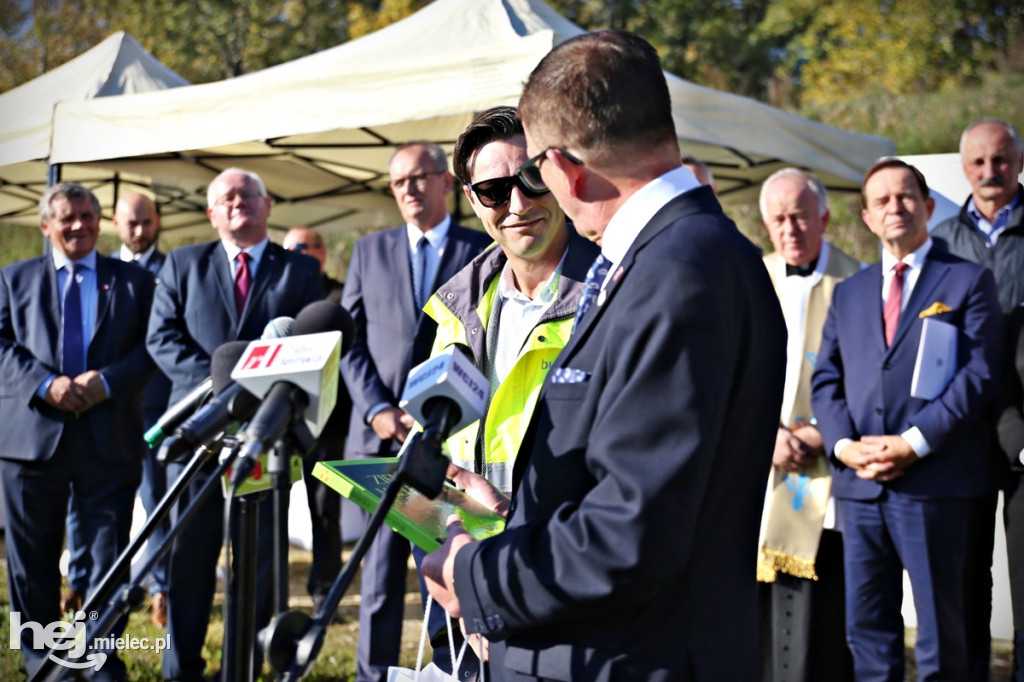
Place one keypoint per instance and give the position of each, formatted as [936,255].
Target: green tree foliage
[203,40]
[829,52]
[44,34]
[711,42]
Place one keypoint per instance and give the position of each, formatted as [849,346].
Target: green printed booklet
[413,515]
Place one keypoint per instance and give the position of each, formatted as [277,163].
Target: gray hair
[257,180]
[69,191]
[1018,146]
[815,183]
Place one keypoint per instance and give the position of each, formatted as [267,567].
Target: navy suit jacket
[630,550]
[30,324]
[194,306]
[392,335]
[860,387]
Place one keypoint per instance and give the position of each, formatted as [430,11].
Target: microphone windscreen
[325,316]
[278,328]
[223,361]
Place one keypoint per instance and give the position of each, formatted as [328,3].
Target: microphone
[297,376]
[181,410]
[231,403]
[445,394]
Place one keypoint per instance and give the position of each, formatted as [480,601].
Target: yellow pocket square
[935,309]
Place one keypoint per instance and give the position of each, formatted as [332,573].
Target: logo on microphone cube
[309,361]
[446,375]
[260,356]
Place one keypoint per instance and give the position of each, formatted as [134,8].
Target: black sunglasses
[497,191]
[530,170]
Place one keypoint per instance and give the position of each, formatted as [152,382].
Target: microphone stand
[240,603]
[132,594]
[294,640]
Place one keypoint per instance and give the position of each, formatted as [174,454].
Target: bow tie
[801,270]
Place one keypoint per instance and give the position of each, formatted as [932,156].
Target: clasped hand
[78,394]
[878,458]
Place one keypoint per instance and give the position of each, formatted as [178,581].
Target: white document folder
[936,359]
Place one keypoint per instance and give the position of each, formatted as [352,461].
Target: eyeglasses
[420,180]
[497,191]
[299,247]
[530,171]
[246,196]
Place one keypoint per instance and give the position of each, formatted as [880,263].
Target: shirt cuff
[843,442]
[372,412]
[45,386]
[916,440]
[106,386]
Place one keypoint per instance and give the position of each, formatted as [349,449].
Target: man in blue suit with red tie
[209,294]
[906,465]
[74,363]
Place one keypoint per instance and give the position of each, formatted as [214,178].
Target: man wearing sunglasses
[513,306]
[628,552]
[390,276]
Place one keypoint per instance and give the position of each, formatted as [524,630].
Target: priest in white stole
[800,560]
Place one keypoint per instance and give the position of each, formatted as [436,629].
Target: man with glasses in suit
[391,275]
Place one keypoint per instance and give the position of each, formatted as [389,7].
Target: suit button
[878,411]
[886,366]
[512,508]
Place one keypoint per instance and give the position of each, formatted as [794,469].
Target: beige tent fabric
[321,129]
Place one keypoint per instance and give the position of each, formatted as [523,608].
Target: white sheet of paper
[936,359]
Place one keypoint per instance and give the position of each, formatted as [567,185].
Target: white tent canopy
[118,65]
[321,129]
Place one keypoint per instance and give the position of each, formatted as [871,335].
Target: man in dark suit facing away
[391,275]
[209,294]
[629,552]
[74,363]
[907,463]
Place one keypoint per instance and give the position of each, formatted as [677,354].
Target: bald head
[137,222]
[306,240]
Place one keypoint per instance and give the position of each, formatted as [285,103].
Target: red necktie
[243,278]
[894,302]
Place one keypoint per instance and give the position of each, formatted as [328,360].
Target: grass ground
[336,660]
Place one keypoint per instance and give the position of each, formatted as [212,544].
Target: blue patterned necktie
[419,269]
[73,345]
[591,286]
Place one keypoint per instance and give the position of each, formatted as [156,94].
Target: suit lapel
[105,281]
[931,274]
[269,270]
[871,292]
[217,260]
[50,293]
[451,260]
[401,263]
